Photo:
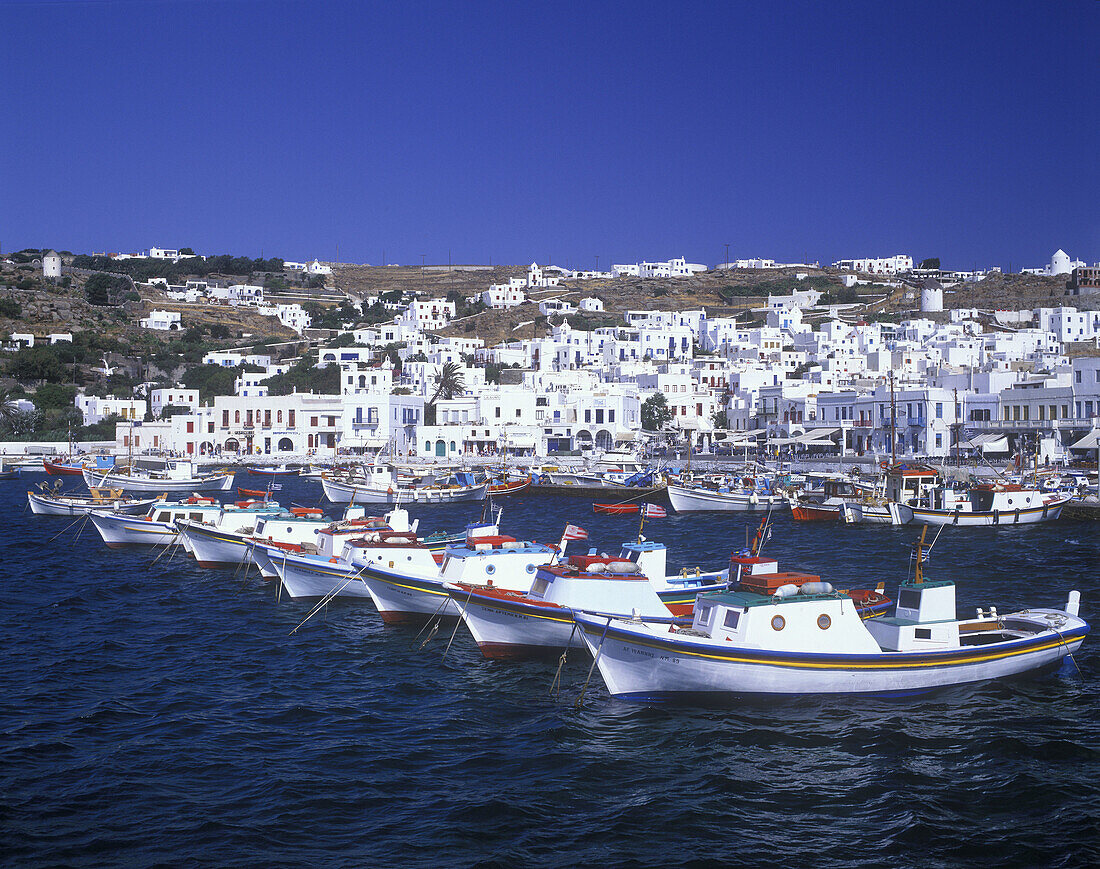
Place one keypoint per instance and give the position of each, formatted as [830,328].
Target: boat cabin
[614,587]
[194,509]
[496,561]
[924,618]
[908,484]
[811,618]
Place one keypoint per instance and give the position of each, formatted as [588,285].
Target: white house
[233,358]
[96,409]
[161,321]
[673,268]
[592,305]
[317,268]
[891,265]
[428,314]
[176,396]
[503,296]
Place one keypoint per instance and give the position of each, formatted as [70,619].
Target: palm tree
[449,383]
[9,410]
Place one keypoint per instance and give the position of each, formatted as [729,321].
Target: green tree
[656,414]
[53,396]
[211,380]
[36,364]
[449,382]
[8,407]
[719,419]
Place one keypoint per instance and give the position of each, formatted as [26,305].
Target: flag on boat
[572,532]
[655,511]
[275,487]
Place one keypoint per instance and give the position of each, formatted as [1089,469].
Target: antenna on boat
[918,573]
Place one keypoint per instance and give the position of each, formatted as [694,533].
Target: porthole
[490,568]
[823,622]
[778,623]
[530,568]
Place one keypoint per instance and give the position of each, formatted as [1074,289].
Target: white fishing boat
[405,587]
[47,502]
[988,504]
[223,540]
[694,498]
[325,570]
[157,527]
[809,639]
[380,484]
[171,476]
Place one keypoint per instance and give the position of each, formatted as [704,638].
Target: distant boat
[616,509]
[510,487]
[274,471]
[49,503]
[68,468]
[172,476]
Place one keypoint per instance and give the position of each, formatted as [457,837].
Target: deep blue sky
[518,131]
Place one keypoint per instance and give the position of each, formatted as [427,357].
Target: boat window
[197,517]
[539,588]
[162,517]
[778,623]
[490,568]
[922,633]
[704,615]
[732,618]
[530,568]
[823,622]
[909,599]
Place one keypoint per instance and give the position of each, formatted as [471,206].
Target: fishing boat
[47,502]
[693,498]
[157,527]
[826,506]
[223,540]
[259,494]
[405,587]
[988,504]
[807,638]
[151,475]
[63,468]
[617,509]
[274,471]
[9,472]
[314,564]
[379,484]
[508,487]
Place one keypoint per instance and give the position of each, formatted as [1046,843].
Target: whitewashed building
[161,321]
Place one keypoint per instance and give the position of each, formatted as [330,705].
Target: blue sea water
[160,713]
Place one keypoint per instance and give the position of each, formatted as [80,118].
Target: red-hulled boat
[253,493]
[616,509]
[510,487]
[63,469]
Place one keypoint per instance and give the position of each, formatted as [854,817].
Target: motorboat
[63,468]
[694,497]
[52,502]
[157,527]
[150,475]
[809,639]
[617,509]
[988,504]
[223,540]
[379,484]
[406,588]
[274,471]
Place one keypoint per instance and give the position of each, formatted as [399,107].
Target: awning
[817,435]
[1091,441]
[988,443]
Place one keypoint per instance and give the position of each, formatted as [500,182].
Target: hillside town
[820,370]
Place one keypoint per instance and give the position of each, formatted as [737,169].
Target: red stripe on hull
[513,651]
[398,617]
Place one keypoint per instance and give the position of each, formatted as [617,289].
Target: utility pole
[727,256]
[955,426]
[597,262]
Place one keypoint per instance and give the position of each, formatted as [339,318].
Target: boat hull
[303,576]
[47,506]
[61,469]
[214,548]
[403,598]
[1029,516]
[341,492]
[690,500]
[150,486]
[644,665]
[121,532]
